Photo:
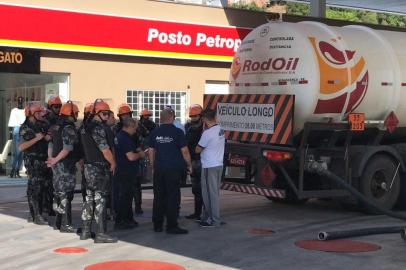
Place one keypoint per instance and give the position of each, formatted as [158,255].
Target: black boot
[17,174]
[30,218]
[58,221]
[38,219]
[12,173]
[101,236]
[86,233]
[104,238]
[66,226]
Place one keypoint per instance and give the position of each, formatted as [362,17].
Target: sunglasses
[105,113]
[56,106]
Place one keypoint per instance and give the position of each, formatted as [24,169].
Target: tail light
[277,155]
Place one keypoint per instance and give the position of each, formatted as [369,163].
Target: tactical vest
[90,148]
[57,141]
[40,148]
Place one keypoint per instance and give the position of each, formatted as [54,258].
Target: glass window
[157,100]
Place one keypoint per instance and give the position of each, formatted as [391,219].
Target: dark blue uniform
[125,175]
[167,141]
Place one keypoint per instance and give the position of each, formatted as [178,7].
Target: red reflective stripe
[283,82]
[303,82]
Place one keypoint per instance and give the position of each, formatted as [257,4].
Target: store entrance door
[32,87]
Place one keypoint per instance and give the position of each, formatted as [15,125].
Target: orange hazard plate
[357,121]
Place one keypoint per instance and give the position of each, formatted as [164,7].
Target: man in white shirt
[211,147]
[17,118]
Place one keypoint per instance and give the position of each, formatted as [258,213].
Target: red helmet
[69,109]
[195,110]
[145,112]
[33,107]
[124,109]
[88,108]
[100,106]
[54,100]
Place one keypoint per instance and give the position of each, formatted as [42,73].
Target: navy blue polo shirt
[124,144]
[167,140]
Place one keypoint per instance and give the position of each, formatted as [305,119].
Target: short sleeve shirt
[168,140]
[212,142]
[124,144]
[69,138]
[100,137]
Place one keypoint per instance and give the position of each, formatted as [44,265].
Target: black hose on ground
[323,236]
[321,169]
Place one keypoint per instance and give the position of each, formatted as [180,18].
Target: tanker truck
[307,91]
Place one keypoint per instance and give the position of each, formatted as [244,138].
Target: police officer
[63,153]
[145,125]
[194,130]
[87,114]
[99,163]
[169,157]
[54,105]
[33,143]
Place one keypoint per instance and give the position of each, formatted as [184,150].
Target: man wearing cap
[34,147]
[169,157]
[62,157]
[99,164]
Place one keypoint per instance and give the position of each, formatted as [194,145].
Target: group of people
[113,158]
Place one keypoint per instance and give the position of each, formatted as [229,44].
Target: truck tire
[379,182]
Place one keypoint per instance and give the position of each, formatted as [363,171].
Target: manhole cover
[343,246]
[134,265]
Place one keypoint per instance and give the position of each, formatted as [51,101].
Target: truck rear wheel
[379,182]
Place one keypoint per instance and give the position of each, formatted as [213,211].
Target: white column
[318,8]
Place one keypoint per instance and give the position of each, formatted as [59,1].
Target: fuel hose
[321,169]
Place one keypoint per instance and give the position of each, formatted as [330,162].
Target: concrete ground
[28,246]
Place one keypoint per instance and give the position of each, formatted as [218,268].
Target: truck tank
[332,71]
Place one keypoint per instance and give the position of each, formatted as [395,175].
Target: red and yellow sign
[357,121]
[84,32]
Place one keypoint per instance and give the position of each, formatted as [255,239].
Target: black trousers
[166,197]
[125,186]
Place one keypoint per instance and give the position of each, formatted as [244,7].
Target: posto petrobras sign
[52,29]
[19,61]
[258,118]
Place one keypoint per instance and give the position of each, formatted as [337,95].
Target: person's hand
[189,170]
[81,162]
[47,138]
[141,154]
[113,167]
[39,136]
[51,162]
